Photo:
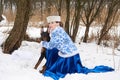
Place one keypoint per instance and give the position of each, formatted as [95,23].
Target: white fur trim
[53,18]
[68,54]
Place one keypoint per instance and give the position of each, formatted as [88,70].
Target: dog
[44,37]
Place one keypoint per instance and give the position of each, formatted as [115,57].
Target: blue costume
[63,57]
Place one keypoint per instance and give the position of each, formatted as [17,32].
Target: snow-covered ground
[20,65]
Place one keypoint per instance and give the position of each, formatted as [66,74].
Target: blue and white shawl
[61,40]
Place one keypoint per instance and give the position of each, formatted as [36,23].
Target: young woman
[62,54]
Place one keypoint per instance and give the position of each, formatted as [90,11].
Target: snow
[20,65]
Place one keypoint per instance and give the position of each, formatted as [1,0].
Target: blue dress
[62,57]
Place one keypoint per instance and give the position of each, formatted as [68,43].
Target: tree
[68,16]
[112,15]
[59,4]
[73,20]
[1,9]
[16,36]
[91,10]
[76,18]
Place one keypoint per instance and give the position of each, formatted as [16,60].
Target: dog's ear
[47,30]
[42,30]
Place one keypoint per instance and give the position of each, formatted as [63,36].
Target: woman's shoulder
[60,29]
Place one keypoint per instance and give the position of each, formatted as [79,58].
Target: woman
[62,54]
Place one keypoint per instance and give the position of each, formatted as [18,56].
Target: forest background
[104,14]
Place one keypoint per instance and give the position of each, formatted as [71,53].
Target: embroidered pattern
[61,41]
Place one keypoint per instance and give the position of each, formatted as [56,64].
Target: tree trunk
[60,7]
[1,10]
[99,40]
[91,11]
[86,33]
[68,16]
[77,20]
[16,36]
[110,20]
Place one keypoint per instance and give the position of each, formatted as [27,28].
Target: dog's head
[45,35]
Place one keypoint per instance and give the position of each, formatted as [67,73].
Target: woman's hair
[60,23]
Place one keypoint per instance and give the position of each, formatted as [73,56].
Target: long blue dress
[62,57]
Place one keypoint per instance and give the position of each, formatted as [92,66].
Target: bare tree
[1,10]
[76,18]
[73,11]
[20,25]
[91,9]
[110,18]
[67,16]
[59,4]
[48,7]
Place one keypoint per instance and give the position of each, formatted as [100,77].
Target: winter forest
[93,25]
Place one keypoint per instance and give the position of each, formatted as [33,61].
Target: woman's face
[53,25]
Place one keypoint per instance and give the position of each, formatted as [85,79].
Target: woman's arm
[55,40]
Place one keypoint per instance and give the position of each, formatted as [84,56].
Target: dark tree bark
[1,10]
[112,16]
[16,36]
[76,19]
[91,11]
[68,16]
[72,27]
[59,5]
